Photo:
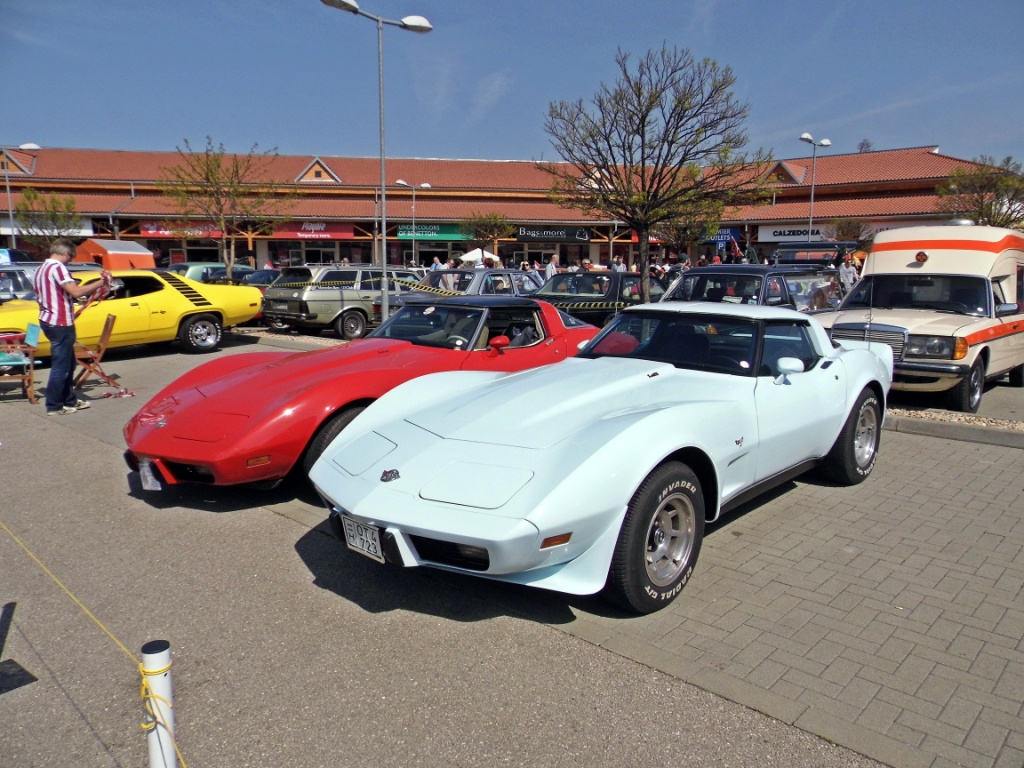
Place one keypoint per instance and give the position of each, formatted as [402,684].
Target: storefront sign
[725,234]
[84,228]
[432,232]
[780,233]
[191,230]
[315,230]
[539,233]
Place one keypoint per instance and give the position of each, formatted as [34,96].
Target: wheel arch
[702,466]
[325,419]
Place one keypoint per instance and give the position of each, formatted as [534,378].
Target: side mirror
[497,344]
[1002,310]
[787,367]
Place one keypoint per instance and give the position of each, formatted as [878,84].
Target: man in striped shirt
[56,292]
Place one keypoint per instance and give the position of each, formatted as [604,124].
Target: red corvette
[253,418]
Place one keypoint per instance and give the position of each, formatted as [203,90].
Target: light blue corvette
[599,472]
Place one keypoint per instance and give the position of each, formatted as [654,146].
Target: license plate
[363,538]
[279,305]
[149,481]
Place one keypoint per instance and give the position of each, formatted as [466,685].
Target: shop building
[336,210]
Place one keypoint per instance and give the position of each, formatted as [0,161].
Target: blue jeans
[59,392]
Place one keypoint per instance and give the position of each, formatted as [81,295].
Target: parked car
[597,296]
[600,473]
[253,418]
[15,283]
[803,287]
[317,297]
[827,253]
[950,302]
[257,278]
[199,270]
[469,282]
[150,307]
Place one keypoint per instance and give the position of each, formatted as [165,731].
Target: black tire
[350,326]
[200,333]
[659,541]
[854,453]
[1016,376]
[328,431]
[966,396]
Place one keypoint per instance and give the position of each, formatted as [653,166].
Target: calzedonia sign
[540,233]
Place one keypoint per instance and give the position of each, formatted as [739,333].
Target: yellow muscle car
[150,307]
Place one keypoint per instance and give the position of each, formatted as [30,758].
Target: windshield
[577,284]
[957,294]
[448,280]
[434,325]
[695,341]
[734,289]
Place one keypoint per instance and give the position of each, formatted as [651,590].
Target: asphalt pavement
[823,626]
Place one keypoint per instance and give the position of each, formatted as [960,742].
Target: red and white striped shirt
[56,306]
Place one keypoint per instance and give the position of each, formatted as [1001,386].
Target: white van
[949,300]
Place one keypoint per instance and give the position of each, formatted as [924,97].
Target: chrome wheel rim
[670,540]
[203,334]
[865,438]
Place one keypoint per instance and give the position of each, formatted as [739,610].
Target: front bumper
[928,377]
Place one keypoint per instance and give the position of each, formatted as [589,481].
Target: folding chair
[18,360]
[90,359]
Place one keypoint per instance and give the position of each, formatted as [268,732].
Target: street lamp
[413,24]
[814,157]
[424,185]
[7,183]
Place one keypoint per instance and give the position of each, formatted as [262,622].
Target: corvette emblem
[739,442]
[388,475]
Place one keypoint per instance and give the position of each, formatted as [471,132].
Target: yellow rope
[145,685]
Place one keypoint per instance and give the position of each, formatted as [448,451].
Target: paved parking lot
[887,619]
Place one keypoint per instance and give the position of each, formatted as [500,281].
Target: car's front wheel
[200,333]
[350,326]
[659,541]
[966,396]
[330,430]
[854,453]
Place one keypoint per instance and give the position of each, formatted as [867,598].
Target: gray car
[317,297]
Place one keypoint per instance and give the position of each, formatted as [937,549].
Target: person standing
[552,268]
[56,292]
[617,265]
[436,265]
[848,274]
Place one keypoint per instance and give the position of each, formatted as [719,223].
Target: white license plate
[149,481]
[363,538]
[279,305]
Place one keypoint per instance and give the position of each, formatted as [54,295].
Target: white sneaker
[81,405]
[62,411]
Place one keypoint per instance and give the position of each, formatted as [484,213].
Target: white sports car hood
[538,408]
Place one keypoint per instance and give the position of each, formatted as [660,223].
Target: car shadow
[216,499]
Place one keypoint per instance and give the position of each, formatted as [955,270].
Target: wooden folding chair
[18,360]
[90,359]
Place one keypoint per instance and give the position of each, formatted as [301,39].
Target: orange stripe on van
[1010,241]
[995,332]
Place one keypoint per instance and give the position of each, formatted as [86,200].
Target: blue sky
[302,77]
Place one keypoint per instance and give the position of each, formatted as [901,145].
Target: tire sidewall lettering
[675,486]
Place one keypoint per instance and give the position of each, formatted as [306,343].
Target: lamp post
[413,24]
[424,185]
[814,158]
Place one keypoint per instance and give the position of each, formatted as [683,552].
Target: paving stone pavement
[887,617]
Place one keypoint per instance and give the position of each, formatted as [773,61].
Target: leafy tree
[851,230]
[661,143]
[989,193]
[234,192]
[45,218]
[485,230]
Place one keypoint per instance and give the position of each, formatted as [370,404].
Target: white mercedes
[599,473]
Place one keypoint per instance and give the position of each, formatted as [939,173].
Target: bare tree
[851,230]
[989,193]
[660,143]
[234,192]
[486,229]
[42,219]
[681,234]
[865,146]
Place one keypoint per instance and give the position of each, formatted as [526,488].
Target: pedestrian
[617,265]
[848,274]
[552,268]
[436,265]
[574,266]
[55,293]
[586,265]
